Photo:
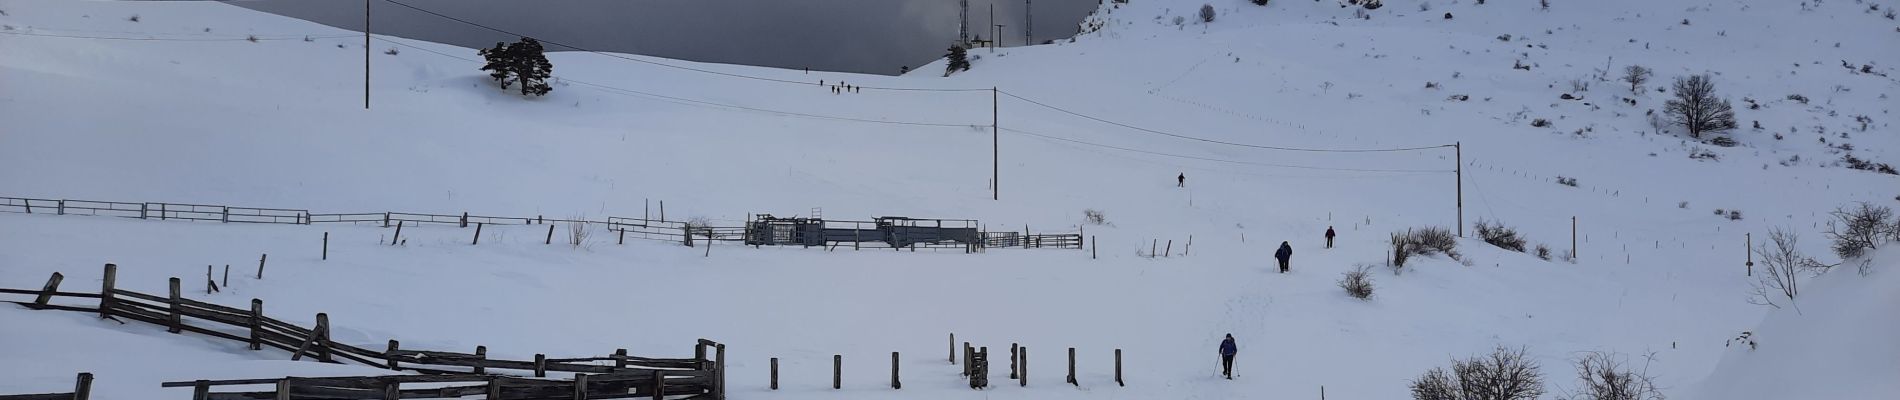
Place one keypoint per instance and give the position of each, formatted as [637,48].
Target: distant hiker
[1181,181]
[1227,350]
[1285,254]
[821,82]
[1329,237]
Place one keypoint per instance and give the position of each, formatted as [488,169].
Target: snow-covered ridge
[279,122]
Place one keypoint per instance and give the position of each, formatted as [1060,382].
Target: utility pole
[993,36]
[1573,237]
[963,22]
[1459,147]
[1028,32]
[996,158]
[999,37]
[366,54]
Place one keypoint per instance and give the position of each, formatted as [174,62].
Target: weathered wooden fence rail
[703,372]
[656,384]
[82,389]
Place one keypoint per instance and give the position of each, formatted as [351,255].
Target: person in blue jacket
[1285,254]
[1227,350]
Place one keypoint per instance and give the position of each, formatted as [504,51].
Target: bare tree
[1207,13]
[1696,107]
[1603,376]
[1636,75]
[1782,267]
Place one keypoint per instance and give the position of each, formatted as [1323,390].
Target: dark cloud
[872,36]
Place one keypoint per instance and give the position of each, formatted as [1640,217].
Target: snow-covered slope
[206,116]
[1836,342]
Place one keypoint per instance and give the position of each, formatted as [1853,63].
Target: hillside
[182,106]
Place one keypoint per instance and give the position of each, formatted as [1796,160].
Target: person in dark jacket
[1181,181]
[1227,350]
[1329,237]
[1284,254]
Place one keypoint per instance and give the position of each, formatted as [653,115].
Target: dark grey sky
[871,36]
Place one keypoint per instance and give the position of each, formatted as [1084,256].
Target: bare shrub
[1504,237]
[1865,227]
[133,18]
[1566,181]
[1604,376]
[1782,267]
[1505,374]
[1207,13]
[699,225]
[392,51]
[1094,217]
[1543,252]
[1357,282]
[1422,241]
[578,231]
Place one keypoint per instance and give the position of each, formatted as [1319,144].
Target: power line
[625,91]
[1316,150]
[157,39]
[1018,131]
[701,70]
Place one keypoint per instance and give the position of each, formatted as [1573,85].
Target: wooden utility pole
[1028,33]
[1459,148]
[1573,237]
[366,54]
[993,25]
[996,160]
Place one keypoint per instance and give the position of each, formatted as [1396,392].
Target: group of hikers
[1284,254]
[840,87]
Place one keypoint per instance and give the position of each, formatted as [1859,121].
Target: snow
[278,123]
[1837,344]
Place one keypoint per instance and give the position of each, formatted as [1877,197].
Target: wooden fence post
[719,365]
[62,207]
[1072,367]
[580,387]
[82,390]
[283,389]
[1023,378]
[105,293]
[257,319]
[774,373]
[227,276]
[550,234]
[659,385]
[464,219]
[172,319]
[398,236]
[227,214]
[1092,247]
[260,265]
[201,390]
[967,368]
[1118,368]
[210,284]
[1169,252]
[481,353]
[620,358]
[1013,348]
[46,294]
[623,236]
[494,386]
[390,355]
[540,365]
[953,347]
[895,384]
[478,235]
[385,219]
[326,246]
[323,337]
[1151,247]
[837,371]
[392,390]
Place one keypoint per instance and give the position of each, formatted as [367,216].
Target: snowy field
[180,106]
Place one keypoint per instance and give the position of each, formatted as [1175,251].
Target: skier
[1329,237]
[1227,350]
[1181,181]
[1284,254]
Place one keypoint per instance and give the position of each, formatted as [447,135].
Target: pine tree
[1697,109]
[519,62]
[958,60]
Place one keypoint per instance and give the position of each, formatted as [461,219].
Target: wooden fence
[656,384]
[621,228]
[82,389]
[251,326]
